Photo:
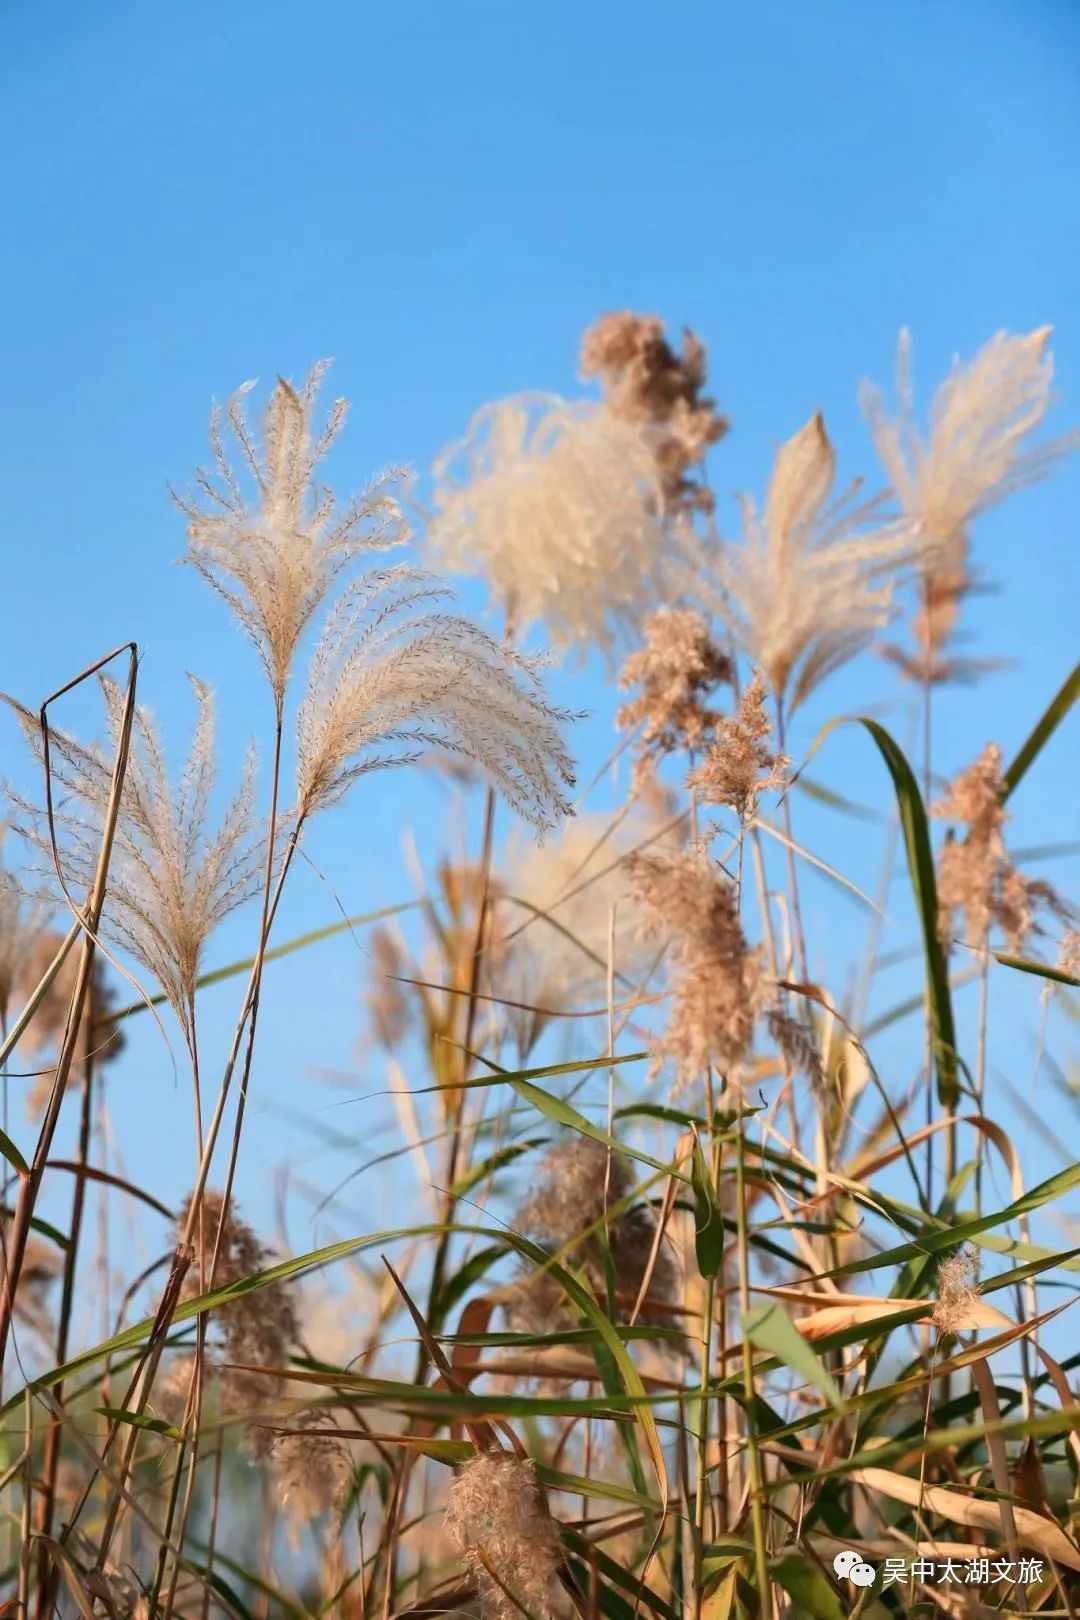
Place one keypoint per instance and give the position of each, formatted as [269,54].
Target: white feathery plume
[393,675]
[558,506]
[274,556]
[976,451]
[172,879]
[811,584]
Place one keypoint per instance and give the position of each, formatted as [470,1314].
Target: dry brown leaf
[1032,1530]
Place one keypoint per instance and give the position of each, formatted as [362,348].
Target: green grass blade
[923,880]
[1048,723]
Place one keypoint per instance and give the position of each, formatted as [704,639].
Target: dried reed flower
[957,1278]
[975,876]
[171,879]
[739,766]
[22,921]
[310,1467]
[718,989]
[1068,960]
[578,1180]
[796,1043]
[257,1328]
[810,585]
[976,453]
[389,680]
[676,669]
[645,380]
[557,505]
[99,1037]
[275,555]
[497,1517]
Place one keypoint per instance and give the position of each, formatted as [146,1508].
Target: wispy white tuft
[810,584]
[977,449]
[172,878]
[557,506]
[274,552]
[394,675]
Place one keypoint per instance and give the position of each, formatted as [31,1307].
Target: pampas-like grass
[811,582]
[275,552]
[717,985]
[173,879]
[976,879]
[739,766]
[507,1538]
[393,676]
[675,672]
[558,506]
[977,451]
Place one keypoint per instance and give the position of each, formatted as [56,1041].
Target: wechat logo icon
[849,1566]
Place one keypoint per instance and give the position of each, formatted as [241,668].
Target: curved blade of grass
[1047,724]
[1041,970]
[804,1582]
[934,1241]
[923,880]
[833,800]
[770,1327]
[10,1152]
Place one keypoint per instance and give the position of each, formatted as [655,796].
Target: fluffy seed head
[578,1181]
[256,1329]
[810,584]
[310,1468]
[956,1288]
[739,765]
[563,906]
[557,505]
[717,986]
[977,452]
[392,675]
[646,381]
[975,876]
[674,671]
[172,879]
[274,552]
[508,1541]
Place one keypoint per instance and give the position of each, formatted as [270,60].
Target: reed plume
[393,676]
[739,765]
[675,672]
[310,1467]
[976,878]
[645,380]
[173,878]
[977,451]
[811,583]
[274,553]
[578,1181]
[256,1330]
[497,1517]
[558,506]
[718,988]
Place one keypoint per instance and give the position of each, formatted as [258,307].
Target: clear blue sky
[442,196]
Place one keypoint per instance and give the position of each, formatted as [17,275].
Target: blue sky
[443,197]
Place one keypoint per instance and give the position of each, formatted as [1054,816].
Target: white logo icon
[849,1566]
